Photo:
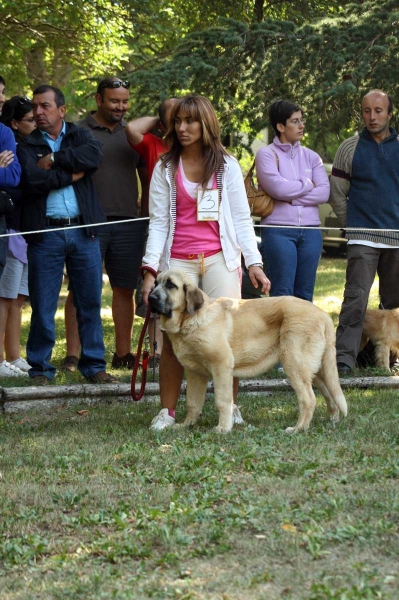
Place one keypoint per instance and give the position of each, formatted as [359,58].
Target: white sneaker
[21,363]
[237,417]
[8,370]
[162,420]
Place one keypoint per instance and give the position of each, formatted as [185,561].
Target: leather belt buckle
[66,222]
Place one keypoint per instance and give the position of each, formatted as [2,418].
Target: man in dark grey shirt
[121,243]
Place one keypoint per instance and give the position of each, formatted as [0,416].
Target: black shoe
[123,362]
[40,380]
[102,377]
[344,369]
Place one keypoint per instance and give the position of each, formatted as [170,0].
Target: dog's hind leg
[195,397]
[307,403]
[332,408]
[327,381]
[382,353]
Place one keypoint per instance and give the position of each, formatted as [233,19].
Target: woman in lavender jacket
[295,177]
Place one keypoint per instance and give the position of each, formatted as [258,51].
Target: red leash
[143,364]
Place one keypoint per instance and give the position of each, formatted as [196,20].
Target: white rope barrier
[317,227]
[325,227]
[83,226]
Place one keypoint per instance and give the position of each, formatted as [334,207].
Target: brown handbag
[260,203]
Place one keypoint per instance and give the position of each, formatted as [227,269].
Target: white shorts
[14,280]
[217,281]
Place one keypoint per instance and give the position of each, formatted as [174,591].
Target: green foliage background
[242,55]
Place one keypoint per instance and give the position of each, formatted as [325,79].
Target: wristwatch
[256,265]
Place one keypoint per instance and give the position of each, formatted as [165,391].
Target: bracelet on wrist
[260,265]
[145,268]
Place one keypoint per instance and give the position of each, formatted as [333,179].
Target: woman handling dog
[295,177]
[199,222]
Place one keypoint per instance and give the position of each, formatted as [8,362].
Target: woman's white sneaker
[21,363]
[8,370]
[162,420]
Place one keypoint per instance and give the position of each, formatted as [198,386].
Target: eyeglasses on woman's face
[296,122]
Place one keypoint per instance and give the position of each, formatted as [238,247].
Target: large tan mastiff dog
[223,338]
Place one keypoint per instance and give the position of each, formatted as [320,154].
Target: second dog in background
[381,327]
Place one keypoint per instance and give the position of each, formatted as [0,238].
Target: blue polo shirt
[61,203]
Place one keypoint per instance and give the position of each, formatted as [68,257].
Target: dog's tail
[328,373]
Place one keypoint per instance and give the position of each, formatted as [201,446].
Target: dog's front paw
[189,422]
[295,429]
[290,430]
[220,429]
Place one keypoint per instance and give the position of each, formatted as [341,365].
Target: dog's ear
[194,299]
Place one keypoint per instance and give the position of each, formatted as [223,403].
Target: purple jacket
[291,183]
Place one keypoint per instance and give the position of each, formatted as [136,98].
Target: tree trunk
[62,69]
[258,10]
[36,66]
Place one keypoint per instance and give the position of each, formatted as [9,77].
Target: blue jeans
[81,254]
[292,256]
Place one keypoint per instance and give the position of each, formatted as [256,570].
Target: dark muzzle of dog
[159,304]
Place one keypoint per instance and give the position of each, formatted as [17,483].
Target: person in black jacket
[58,160]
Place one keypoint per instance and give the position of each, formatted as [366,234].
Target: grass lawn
[94,506]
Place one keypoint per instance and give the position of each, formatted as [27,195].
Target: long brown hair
[199,109]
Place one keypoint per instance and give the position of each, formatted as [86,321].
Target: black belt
[64,222]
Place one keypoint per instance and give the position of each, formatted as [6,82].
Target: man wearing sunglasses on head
[121,243]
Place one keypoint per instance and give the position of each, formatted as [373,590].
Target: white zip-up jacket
[235,223]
